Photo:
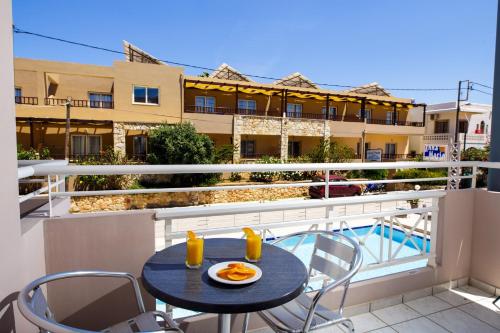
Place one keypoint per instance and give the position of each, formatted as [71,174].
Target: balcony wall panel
[485,262]
[111,242]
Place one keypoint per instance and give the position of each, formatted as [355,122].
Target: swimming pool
[372,244]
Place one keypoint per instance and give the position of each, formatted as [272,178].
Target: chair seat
[291,316]
[145,322]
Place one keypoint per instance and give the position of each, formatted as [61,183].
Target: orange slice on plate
[237,276]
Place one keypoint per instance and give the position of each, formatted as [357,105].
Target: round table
[167,278]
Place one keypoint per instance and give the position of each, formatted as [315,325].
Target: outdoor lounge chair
[336,256]
[33,305]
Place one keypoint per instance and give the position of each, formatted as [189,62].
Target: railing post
[327,184]
[434,228]
[167,230]
[474,176]
[49,194]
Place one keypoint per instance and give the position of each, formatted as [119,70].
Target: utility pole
[68,128]
[454,151]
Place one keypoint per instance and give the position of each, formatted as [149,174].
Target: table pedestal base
[224,323]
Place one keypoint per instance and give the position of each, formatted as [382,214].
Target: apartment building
[474,122]
[117,105]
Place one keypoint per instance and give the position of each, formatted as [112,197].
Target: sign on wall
[435,152]
[373,155]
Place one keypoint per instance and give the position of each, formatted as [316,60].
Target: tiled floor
[461,310]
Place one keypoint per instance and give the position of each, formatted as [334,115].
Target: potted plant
[414,202]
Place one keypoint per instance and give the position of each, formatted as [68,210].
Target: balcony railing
[222,110]
[79,103]
[26,100]
[390,122]
[424,226]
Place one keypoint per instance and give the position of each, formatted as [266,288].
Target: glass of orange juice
[254,245]
[194,250]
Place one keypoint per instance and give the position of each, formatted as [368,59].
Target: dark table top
[166,277]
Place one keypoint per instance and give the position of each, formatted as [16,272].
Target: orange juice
[254,248]
[194,251]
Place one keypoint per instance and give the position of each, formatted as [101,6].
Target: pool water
[372,244]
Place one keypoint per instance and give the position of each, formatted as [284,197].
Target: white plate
[212,272]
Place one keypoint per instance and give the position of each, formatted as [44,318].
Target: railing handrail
[46,169]
[241,208]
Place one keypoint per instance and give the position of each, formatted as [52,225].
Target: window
[332,109]
[389,119]
[18,94]
[82,145]
[482,128]
[248,148]
[368,114]
[390,150]
[441,126]
[93,145]
[99,100]
[294,110]
[78,145]
[146,95]
[247,106]
[293,148]
[139,145]
[462,126]
[205,104]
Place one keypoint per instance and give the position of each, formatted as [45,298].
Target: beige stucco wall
[77,80]
[21,244]
[378,141]
[485,261]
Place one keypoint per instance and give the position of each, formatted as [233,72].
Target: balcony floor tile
[458,321]
[427,305]
[396,314]
[418,325]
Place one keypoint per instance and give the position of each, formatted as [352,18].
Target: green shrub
[235,177]
[266,176]
[332,152]
[376,174]
[32,153]
[104,182]
[422,173]
[297,175]
[180,144]
[224,154]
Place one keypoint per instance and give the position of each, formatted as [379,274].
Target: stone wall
[252,125]
[158,200]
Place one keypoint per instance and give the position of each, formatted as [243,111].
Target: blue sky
[400,44]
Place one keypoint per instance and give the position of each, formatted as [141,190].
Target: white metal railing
[391,219]
[25,170]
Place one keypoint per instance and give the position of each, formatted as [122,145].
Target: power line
[481,91]
[19,31]
[482,85]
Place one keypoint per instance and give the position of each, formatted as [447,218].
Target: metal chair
[334,255]
[33,305]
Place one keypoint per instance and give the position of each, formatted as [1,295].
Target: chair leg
[245,322]
[348,323]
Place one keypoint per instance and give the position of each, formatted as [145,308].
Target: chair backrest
[334,255]
[33,304]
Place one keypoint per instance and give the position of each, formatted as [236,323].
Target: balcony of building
[427,267]
[225,97]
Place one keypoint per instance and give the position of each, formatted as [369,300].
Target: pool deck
[433,310]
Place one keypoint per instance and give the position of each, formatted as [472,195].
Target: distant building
[473,126]
[117,105]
